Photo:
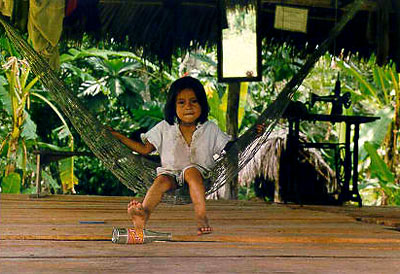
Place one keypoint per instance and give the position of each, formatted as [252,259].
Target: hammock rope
[136,172]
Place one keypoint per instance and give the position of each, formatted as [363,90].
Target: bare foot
[137,213]
[203,226]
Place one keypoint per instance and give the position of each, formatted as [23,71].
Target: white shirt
[207,140]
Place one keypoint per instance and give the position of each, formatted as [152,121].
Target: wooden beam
[232,128]
[369,5]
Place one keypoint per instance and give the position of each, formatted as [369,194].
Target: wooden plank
[188,264]
[47,236]
[384,215]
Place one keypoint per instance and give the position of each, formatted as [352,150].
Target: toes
[134,203]
[204,230]
[130,204]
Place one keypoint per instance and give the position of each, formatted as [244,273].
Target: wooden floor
[49,235]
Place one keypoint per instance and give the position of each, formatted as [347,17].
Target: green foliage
[97,179]
[375,132]
[19,133]
[28,128]
[374,92]
[11,183]
[5,98]
[67,175]
[382,185]
[246,193]
[378,167]
[217,106]
[149,117]
[378,94]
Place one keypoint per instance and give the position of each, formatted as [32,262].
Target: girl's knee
[193,175]
[164,182]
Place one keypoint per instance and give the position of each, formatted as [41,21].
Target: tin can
[138,236]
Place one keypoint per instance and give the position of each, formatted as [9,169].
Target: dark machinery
[337,100]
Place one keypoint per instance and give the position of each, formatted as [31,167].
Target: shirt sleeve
[221,139]
[154,136]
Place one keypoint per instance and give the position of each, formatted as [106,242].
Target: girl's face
[188,108]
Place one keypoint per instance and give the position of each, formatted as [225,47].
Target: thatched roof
[266,162]
[271,161]
[161,28]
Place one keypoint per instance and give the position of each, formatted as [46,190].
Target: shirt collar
[199,125]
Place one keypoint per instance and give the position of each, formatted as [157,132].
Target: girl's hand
[260,129]
[113,132]
[109,128]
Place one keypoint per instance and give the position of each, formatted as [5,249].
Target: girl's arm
[139,147]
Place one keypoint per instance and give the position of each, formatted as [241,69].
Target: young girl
[186,142]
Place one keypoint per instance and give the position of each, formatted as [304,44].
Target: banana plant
[15,95]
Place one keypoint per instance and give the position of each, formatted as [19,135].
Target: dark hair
[186,82]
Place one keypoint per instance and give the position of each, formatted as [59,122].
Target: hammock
[136,172]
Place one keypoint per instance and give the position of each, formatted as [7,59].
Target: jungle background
[127,93]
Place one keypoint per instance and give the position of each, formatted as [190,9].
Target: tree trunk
[232,188]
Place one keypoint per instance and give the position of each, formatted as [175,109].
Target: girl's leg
[140,212]
[197,192]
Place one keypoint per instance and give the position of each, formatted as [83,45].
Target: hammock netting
[137,172]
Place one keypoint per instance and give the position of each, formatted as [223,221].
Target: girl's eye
[194,101]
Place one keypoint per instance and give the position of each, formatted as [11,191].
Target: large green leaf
[379,169]
[244,86]
[92,87]
[129,66]
[11,183]
[97,103]
[52,147]
[116,87]
[62,132]
[5,98]
[74,54]
[365,85]
[28,128]
[375,132]
[68,179]
[114,66]
[148,118]
[131,100]
[50,181]
[382,82]
[135,84]
[81,73]
[217,106]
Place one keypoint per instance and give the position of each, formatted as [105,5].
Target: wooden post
[38,179]
[232,127]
